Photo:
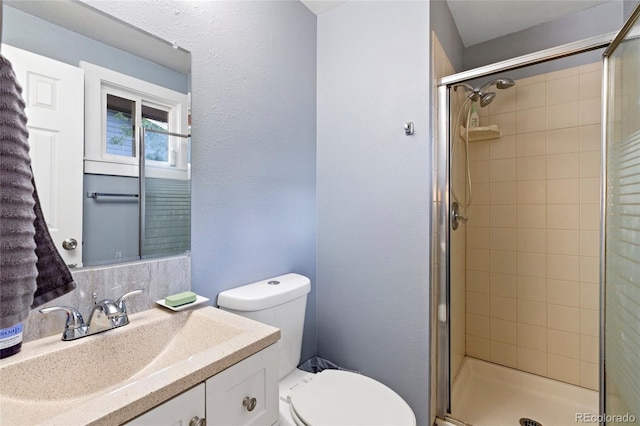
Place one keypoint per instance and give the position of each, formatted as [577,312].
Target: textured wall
[254,111]
[374,193]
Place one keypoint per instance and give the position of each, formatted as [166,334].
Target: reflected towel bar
[108,194]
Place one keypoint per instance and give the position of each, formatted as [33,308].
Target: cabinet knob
[249,403]
[197,421]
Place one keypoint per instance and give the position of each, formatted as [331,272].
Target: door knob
[70,244]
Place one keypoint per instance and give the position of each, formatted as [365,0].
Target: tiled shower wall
[532,265]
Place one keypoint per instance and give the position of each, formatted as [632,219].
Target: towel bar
[108,194]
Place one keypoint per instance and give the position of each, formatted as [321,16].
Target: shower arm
[474,95]
[467,87]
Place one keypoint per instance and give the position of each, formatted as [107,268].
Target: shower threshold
[486,394]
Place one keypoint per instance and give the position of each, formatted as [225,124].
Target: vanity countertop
[112,377]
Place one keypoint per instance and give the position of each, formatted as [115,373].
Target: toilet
[330,397]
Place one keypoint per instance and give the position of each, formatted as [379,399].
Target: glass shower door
[620,399]
[165,189]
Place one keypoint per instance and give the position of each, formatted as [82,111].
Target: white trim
[108,168]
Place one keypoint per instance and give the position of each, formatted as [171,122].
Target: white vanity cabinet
[244,394]
[178,411]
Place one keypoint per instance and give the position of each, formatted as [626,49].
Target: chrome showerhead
[486,98]
[500,83]
[479,94]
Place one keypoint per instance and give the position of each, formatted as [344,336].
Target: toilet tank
[280,302]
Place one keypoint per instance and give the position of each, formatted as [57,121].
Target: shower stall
[526,308]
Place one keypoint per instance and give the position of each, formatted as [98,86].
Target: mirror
[96,89]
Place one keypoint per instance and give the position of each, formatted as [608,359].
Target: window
[120,126]
[156,146]
[120,129]
[117,106]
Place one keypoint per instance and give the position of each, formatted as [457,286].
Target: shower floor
[486,394]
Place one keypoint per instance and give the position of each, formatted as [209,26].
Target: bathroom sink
[114,376]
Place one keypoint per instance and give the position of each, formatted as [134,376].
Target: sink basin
[112,377]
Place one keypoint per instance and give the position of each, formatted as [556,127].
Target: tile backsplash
[532,242]
[158,278]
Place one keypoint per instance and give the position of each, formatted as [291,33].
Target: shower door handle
[456,217]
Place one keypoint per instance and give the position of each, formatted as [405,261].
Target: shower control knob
[249,403]
[70,244]
[456,217]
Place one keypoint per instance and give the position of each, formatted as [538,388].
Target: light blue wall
[254,128]
[254,180]
[374,193]
[27,32]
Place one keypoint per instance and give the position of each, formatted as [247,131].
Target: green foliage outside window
[156,145]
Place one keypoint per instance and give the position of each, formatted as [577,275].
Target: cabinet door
[245,393]
[176,412]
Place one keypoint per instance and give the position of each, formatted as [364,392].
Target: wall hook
[408,128]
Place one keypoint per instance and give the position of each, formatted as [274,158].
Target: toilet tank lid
[266,293]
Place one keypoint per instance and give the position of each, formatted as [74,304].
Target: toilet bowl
[331,397]
[334,397]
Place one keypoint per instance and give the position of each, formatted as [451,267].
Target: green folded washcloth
[180,299]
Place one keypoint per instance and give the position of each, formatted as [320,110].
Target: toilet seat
[336,397]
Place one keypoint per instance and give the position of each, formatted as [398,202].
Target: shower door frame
[441,198]
[606,77]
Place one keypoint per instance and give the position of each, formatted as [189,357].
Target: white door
[54,95]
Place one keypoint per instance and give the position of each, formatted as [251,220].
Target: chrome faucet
[105,315]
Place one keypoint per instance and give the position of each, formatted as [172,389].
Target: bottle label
[10,336]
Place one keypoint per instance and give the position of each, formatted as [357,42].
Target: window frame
[99,82]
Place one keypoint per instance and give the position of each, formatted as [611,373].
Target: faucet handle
[74,327]
[121,300]
[74,318]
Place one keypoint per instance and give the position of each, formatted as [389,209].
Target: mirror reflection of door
[54,95]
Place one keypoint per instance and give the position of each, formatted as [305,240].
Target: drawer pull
[197,421]
[249,403]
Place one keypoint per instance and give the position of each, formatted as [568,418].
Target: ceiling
[319,6]
[482,20]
